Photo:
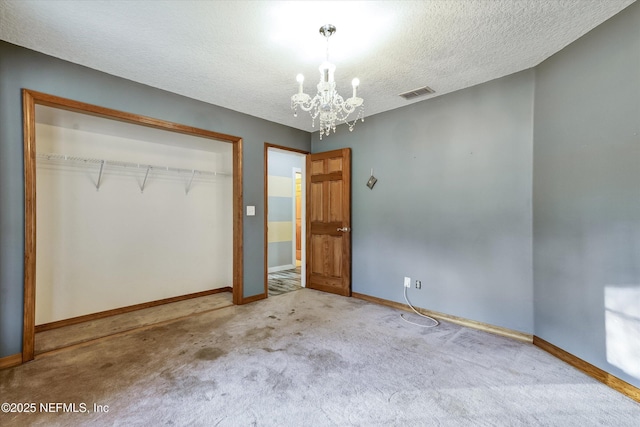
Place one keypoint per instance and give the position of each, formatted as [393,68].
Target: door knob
[344,229]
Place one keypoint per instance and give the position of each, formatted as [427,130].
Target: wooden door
[329,221]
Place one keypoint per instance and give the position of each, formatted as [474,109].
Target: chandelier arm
[343,112]
[344,105]
[348,108]
[304,107]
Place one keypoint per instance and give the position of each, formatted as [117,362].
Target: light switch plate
[251,210]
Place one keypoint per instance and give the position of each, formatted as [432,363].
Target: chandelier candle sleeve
[327,104]
[300,80]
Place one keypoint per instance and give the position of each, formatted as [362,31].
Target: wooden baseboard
[498,330]
[128,309]
[593,371]
[10,361]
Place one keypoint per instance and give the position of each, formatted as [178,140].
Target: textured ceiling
[245,55]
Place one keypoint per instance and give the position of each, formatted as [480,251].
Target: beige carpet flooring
[86,331]
[308,358]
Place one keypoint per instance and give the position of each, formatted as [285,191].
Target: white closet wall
[115,247]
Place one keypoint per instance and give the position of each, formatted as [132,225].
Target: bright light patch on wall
[361,27]
[622,322]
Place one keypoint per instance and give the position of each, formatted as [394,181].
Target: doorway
[285,206]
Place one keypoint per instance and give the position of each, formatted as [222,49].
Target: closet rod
[119,163]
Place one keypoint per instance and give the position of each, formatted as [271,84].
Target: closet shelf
[101,163]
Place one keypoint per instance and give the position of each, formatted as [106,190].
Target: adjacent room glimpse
[285,220]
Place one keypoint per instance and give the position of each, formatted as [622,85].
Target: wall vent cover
[422,91]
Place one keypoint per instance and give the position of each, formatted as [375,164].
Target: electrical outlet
[418,284]
[407,282]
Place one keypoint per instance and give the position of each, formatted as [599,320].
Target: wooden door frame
[267,146]
[29,101]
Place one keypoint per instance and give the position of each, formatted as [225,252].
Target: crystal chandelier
[328,105]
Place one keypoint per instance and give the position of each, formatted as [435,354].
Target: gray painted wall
[586,190]
[452,206]
[23,68]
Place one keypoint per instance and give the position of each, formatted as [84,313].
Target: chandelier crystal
[328,106]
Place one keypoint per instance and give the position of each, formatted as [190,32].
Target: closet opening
[136,219]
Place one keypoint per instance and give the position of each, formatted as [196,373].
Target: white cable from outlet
[435,322]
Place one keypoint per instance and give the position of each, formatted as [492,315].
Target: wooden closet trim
[32,98]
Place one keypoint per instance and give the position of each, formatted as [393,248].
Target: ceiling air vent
[422,91]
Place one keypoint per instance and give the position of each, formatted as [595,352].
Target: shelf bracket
[144,182]
[99,174]
[193,173]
